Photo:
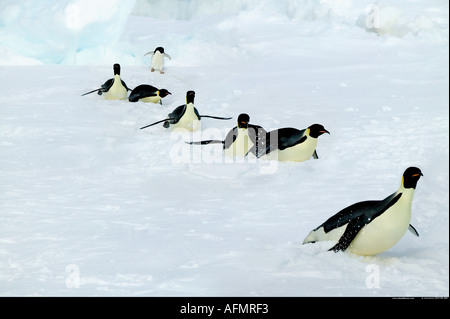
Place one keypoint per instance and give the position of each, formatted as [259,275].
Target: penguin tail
[206,142]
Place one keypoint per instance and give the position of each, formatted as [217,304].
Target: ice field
[90,205]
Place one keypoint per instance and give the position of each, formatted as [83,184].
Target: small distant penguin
[241,140]
[371,227]
[185,117]
[291,144]
[113,89]
[147,93]
[158,56]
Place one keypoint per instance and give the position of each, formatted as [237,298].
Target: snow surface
[92,206]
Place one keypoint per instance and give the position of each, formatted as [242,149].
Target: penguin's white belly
[298,153]
[240,146]
[117,91]
[151,99]
[158,61]
[188,121]
[384,231]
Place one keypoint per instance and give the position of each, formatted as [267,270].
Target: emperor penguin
[147,93]
[113,89]
[291,144]
[241,140]
[185,117]
[371,227]
[158,56]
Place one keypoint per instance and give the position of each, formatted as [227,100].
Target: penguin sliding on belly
[185,117]
[290,144]
[147,93]
[113,89]
[371,227]
[243,139]
[158,56]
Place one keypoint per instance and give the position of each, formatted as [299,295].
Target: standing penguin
[185,116]
[113,89]
[290,144]
[371,227]
[147,93]
[242,139]
[158,56]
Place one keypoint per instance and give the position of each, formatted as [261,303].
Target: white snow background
[92,206]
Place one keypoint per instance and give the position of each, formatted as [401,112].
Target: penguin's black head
[190,95]
[116,68]
[316,130]
[164,93]
[411,177]
[242,121]
[160,49]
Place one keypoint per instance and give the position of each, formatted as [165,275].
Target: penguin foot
[152,69]
[162,72]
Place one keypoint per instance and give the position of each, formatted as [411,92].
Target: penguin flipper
[352,229]
[216,117]
[285,142]
[284,138]
[315,156]
[176,114]
[167,56]
[96,90]
[413,230]
[206,142]
[154,123]
[197,114]
[151,52]
[230,138]
[125,85]
[106,86]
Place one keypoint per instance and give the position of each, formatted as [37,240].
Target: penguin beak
[419,174]
[324,131]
